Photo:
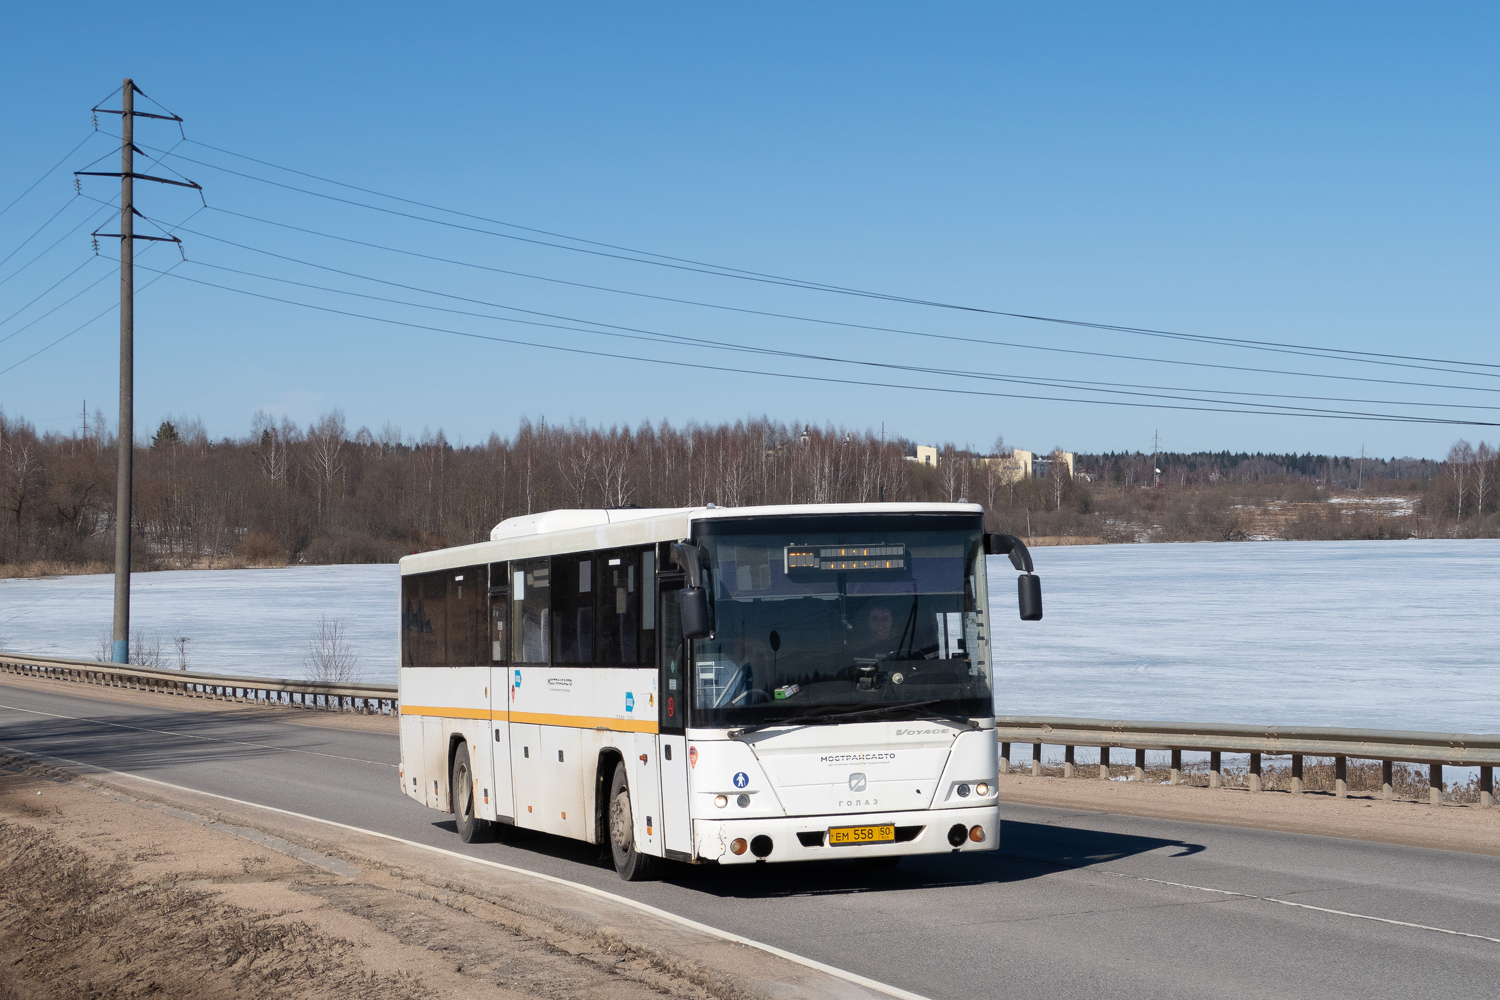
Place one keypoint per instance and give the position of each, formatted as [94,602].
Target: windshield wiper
[840,716]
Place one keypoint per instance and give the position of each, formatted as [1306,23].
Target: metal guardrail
[378,699]
[1389,746]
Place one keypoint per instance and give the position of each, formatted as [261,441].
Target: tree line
[324,493]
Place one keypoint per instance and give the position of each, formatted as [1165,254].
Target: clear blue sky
[1321,175]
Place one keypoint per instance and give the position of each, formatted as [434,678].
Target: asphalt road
[1074,904]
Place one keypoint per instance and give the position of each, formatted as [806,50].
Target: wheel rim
[621,825]
[464,787]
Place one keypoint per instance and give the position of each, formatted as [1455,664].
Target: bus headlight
[963,791]
[721,801]
[743,802]
[982,788]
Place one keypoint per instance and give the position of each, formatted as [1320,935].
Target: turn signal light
[737,845]
[976,834]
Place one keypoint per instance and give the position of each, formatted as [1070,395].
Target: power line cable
[88,322]
[656,336]
[50,170]
[72,199]
[34,321]
[790,316]
[88,220]
[1284,411]
[86,262]
[1371,357]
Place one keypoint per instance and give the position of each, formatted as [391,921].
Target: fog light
[737,846]
[963,791]
[976,834]
[956,834]
[982,788]
[743,801]
[761,846]
[721,801]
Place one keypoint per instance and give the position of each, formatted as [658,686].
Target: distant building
[1017,465]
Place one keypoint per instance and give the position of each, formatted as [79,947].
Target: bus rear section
[710,685]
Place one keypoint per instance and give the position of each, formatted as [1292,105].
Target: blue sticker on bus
[741,779]
[518,678]
[630,701]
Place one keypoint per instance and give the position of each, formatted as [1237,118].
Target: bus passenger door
[672,751]
[498,734]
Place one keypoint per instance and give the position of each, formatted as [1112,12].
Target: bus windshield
[859,614]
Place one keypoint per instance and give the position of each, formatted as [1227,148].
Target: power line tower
[127,235]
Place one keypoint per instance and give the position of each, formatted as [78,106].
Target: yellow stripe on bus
[535,718]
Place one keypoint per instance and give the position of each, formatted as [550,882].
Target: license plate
[843,835]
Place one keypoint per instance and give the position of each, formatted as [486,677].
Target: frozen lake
[1402,635]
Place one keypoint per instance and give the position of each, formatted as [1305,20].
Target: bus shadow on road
[1027,851]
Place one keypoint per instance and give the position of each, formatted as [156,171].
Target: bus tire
[461,789]
[631,865]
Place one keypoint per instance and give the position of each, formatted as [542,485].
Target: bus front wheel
[470,827]
[629,863]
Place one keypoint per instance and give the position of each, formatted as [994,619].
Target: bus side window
[673,690]
[467,593]
[573,608]
[626,612]
[530,611]
[499,613]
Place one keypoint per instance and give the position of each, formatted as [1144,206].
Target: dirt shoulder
[1449,827]
[120,888]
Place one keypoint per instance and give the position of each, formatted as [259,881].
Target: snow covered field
[1402,635]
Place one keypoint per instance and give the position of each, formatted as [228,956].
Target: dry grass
[50,567]
[1044,540]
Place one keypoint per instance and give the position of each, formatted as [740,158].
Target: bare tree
[1059,475]
[1484,471]
[325,447]
[1460,458]
[329,654]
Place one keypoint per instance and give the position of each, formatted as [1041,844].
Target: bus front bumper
[806,838]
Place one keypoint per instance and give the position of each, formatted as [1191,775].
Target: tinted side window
[573,608]
[421,635]
[673,669]
[626,612]
[530,611]
[467,629]
[499,613]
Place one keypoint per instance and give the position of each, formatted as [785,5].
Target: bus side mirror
[1029,591]
[697,619]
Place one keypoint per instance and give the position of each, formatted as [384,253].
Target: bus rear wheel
[470,827]
[631,865]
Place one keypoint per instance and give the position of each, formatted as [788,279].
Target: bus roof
[555,532]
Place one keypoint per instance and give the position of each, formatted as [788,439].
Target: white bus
[707,684]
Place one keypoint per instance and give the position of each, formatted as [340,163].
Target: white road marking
[667,915]
[1288,902]
[191,736]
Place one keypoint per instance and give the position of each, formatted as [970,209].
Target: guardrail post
[1140,766]
[1068,767]
[1104,763]
[1215,758]
[1341,777]
[1296,774]
[1387,783]
[1176,776]
[1005,758]
[1435,779]
[1036,759]
[1486,787]
[1254,778]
